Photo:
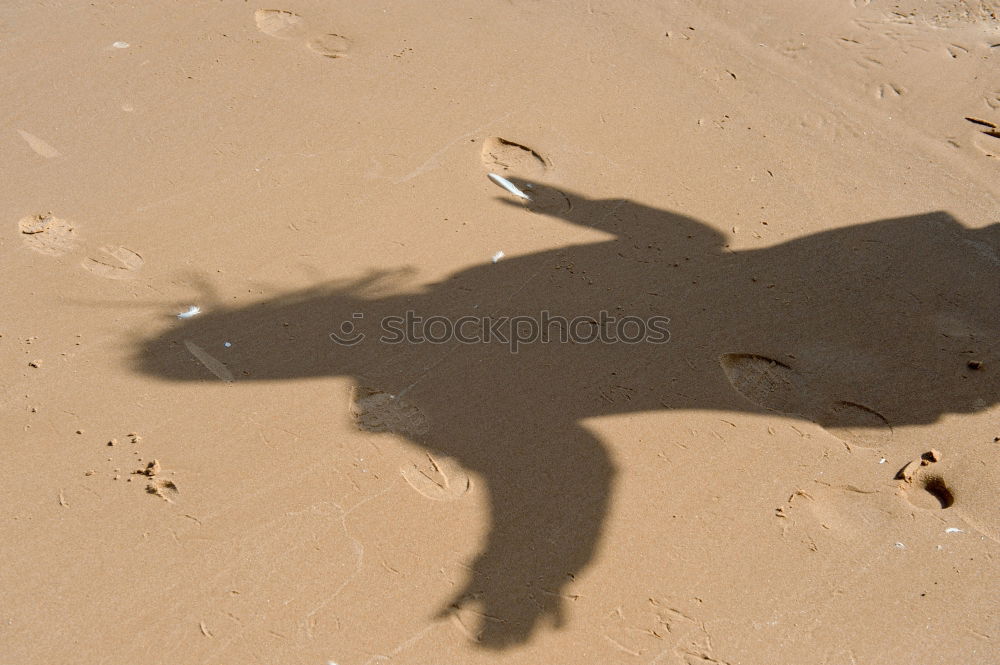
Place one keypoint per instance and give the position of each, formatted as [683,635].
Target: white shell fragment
[189,312]
[120,44]
[509,186]
[499,255]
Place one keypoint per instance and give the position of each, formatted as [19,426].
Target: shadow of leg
[548,507]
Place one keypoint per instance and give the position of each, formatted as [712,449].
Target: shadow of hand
[504,610]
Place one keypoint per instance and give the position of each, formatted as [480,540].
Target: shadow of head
[859,329]
[293,336]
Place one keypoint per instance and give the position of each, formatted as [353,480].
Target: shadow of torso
[858,329]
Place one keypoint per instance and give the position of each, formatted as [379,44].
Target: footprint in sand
[117,263]
[503,156]
[438,479]
[855,423]
[279,23]
[53,236]
[923,487]
[775,386]
[282,24]
[330,46]
[930,491]
[766,382]
[47,234]
[516,161]
[378,411]
[926,483]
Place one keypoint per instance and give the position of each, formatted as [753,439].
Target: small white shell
[191,311]
[509,186]
[499,255]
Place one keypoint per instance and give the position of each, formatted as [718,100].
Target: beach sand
[800,200]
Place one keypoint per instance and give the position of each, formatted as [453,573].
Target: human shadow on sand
[859,329]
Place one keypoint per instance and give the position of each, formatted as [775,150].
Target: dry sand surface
[802,468]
